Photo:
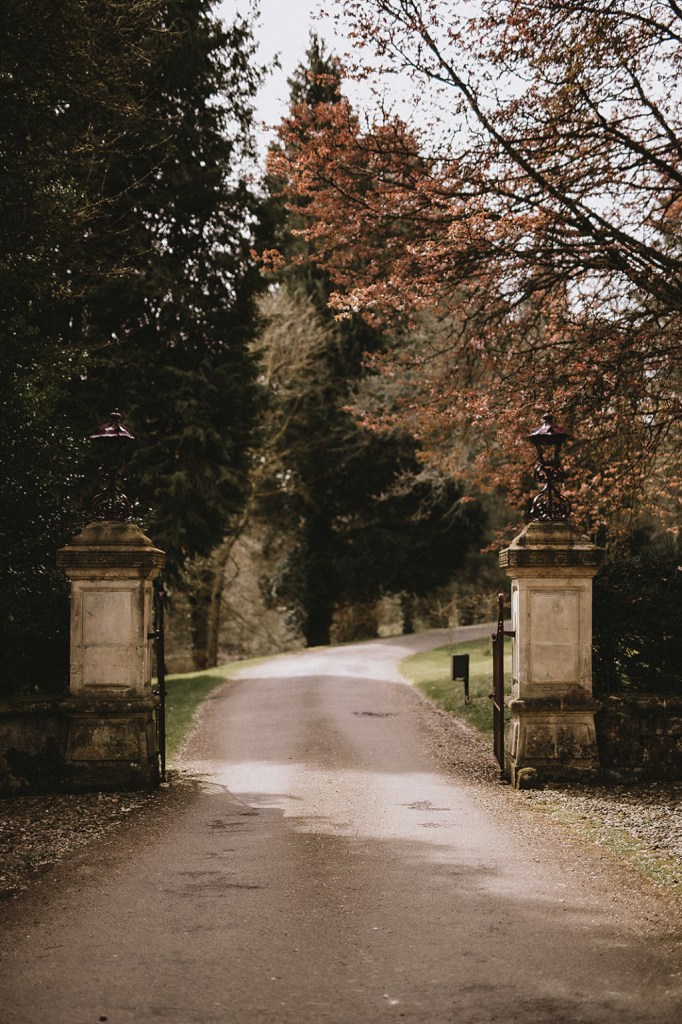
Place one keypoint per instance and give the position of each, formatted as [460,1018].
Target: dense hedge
[638,625]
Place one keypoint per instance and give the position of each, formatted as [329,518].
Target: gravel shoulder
[641,825]
[38,831]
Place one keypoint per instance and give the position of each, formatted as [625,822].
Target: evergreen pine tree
[125,280]
[359,530]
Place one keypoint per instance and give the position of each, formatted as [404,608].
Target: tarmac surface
[326,868]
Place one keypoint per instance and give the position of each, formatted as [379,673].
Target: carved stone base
[111,745]
[556,738]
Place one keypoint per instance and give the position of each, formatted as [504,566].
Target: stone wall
[640,736]
[33,736]
[41,741]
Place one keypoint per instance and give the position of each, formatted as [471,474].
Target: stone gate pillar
[111,733]
[551,565]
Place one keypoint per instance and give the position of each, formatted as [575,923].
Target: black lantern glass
[113,442]
[550,503]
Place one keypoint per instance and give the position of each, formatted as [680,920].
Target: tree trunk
[407,609]
[220,558]
[200,577]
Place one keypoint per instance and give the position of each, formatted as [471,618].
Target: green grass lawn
[430,672]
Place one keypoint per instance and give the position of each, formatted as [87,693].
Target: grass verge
[662,867]
[430,672]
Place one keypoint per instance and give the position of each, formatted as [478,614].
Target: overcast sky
[283,29]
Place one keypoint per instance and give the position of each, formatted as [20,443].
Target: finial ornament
[113,441]
[550,504]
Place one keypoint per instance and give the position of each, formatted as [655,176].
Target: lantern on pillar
[113,442]
[550,504]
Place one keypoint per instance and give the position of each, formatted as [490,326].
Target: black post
[161,680]
[460,670]
[497,695]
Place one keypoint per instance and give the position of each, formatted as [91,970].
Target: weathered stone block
[111,743]
[640,736]
[111,731]
[106,740]
[32,746]
[551,566]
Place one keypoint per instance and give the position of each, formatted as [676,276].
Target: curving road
[330,870]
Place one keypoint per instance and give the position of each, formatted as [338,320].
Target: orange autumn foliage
[522,245]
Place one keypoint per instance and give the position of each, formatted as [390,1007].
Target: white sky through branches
[283,29]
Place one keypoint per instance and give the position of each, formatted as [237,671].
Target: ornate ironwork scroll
[550,504]
[113,440]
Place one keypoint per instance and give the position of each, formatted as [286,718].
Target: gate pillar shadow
[551,566]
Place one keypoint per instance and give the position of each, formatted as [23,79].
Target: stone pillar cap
[110,547]
[107,533]
[551,543]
